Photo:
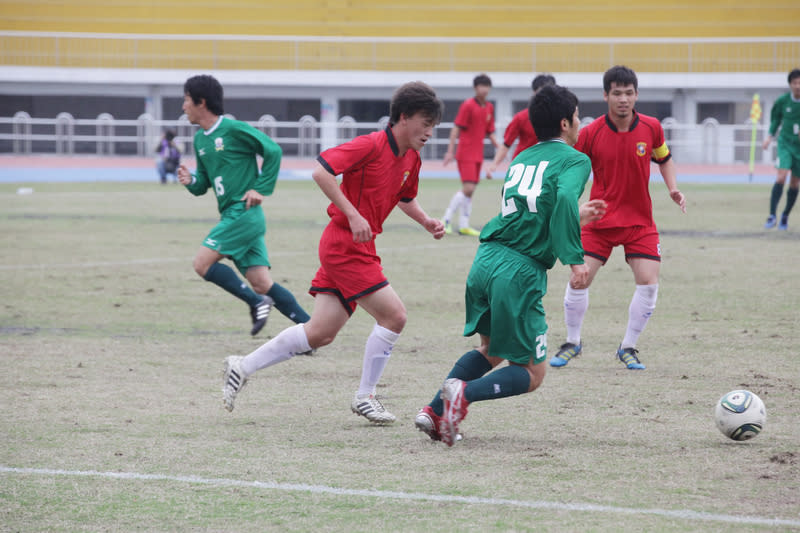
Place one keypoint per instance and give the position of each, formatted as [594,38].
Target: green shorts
[504,302]
[240,236]
[788,158]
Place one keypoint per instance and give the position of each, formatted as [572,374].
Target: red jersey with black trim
[621,168]
[374,176]
[475,122]
[520,126]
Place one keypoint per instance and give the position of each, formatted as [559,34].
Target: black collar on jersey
[392,141]
[633,124]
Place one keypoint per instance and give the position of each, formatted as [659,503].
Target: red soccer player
[621,145]
[520,128]
[474,121]
[379,171]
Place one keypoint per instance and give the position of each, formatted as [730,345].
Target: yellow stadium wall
[412,18]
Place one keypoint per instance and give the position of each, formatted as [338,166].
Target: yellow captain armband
[661,153]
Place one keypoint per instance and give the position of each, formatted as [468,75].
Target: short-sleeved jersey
[539,215]
[374,176]
[475,121]
[786,115]
[520,127]
[621,166]
[226,162]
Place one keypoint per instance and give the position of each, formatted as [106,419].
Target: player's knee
[200,266]
[397,320]
[536,374]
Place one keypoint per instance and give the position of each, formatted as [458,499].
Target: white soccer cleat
[372,409]
[233,381]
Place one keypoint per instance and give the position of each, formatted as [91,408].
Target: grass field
[112,351]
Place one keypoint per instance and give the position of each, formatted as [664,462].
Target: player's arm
[451,144]
[669,174]
[271,153]
[330,188]
[196,183]
[565,221]
[776,117]
[414,210]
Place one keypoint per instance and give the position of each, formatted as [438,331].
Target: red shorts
[348,270]
[638,241]
[470,170]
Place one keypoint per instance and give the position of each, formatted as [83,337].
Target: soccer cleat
[372,409]
[260,313]
[784,224]
[567,351]
[771,221]
[472,232]
[455,409]
[233,381]
[630,358]
[448,228]
[428,422]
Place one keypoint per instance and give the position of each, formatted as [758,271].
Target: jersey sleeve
[347,156]
[776,116]
[200,184]
[565,227]
[661,152]
[411,185]
[462,117]
[490,123]
[512,132]
[271,153]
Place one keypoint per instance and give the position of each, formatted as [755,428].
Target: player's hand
[678,197]
[592,210]
[360,228]
[579,278]
[252,198]
[435,227]
[448,156]
[766,142]
[184,176]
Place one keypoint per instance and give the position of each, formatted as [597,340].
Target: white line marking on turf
[414,496]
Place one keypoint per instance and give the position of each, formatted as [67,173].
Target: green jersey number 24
[528,181]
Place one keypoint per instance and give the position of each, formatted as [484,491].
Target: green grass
[112,350]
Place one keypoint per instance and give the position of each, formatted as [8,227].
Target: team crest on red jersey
[641,148]
[405,177]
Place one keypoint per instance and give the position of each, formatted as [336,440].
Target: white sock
[576,302]
[455,203]
[376,354]
[466,211]
[280,348]
[642,306]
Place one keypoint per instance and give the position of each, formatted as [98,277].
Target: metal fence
[707,143]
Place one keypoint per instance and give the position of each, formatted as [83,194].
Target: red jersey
[475,121]
[621,167]
[520,126]
[374,176]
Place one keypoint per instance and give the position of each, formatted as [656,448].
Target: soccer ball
[740,415]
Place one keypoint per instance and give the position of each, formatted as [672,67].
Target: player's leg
[791,194]
[207,265]
[470,176]
[643,303]
[775,195]
[283,300]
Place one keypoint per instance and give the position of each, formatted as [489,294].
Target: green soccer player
[226,151]
[539,222]
[786,115]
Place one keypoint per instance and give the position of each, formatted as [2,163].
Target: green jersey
[226,161]
[786,115]
[539,215]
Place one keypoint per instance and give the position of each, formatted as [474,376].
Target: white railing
[706,143]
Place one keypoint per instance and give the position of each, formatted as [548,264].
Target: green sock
[511,380]
[775,197]
[791,198]
[471,365]
[224,276]
[286,303]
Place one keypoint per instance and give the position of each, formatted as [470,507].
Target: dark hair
[621,75]
[541,80]
[205,87]
[795,73]
[415,97]
[548,106]
[169,135]
[482,79]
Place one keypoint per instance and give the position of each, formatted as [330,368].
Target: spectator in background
[169,157]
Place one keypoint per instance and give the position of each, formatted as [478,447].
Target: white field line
[688,515]
[188,260]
